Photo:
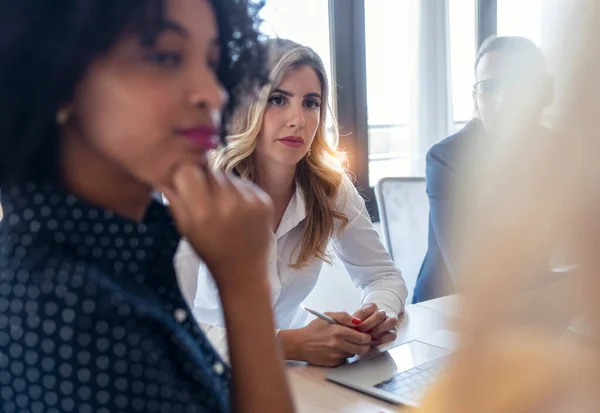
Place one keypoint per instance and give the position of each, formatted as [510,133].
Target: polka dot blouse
[91,317]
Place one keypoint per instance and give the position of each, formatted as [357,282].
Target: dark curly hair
[46,47]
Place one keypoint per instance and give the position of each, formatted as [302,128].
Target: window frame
[348,48]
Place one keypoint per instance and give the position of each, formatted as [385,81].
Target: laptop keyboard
[413,383]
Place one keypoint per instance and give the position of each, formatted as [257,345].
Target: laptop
[403,373]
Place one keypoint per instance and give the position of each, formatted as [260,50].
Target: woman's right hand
[324,344]
[226,220]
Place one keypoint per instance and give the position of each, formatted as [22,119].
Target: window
[376,49]
[541,21]
[521,18]
[392,72]
[389,39]
[288,19]
[463,49]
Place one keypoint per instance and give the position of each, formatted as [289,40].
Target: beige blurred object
[533,195]
[521,372]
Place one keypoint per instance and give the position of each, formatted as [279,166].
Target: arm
[318,343]
[439,176]
[360,249]
[258,381]
[208,310]
[323,344]
[227,223]
[218,339]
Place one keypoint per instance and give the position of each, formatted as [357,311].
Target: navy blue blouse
[91,316]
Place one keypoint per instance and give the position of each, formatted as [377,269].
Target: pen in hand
[327,318]
[321,316]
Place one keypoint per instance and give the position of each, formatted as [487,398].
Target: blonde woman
[278,141]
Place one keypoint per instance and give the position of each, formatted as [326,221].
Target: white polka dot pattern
[91,317]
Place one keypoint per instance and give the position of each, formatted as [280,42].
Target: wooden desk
[448,305]
[313,394]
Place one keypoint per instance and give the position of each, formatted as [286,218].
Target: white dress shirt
[358,246]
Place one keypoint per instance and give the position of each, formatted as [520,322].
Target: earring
[62,116]
[309,150]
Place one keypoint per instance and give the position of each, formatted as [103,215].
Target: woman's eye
[277,100]
[312,104]
[165,59]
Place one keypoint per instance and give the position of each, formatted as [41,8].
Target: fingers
[351,335]
[191,184]
[387,325]
[385,338]
[259,199]
[348,342]
[243,188]
[352,349]
[200,186]
[262,195]
[373,321]
[345,319]
[247,189]
[366,311]
[197,183]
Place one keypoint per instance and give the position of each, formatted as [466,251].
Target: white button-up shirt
[358,246]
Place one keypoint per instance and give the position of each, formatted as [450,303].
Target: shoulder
[56,284]
[63,289]
[449,148]
[348,198]
[350,202]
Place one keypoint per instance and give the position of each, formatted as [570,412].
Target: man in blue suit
[505,69]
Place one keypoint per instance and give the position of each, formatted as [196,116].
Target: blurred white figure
[536,192]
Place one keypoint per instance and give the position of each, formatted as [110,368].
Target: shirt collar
[294,213]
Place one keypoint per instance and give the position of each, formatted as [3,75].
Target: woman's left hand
[377,324]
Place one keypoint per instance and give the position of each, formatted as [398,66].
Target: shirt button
[218,368]
[180,315]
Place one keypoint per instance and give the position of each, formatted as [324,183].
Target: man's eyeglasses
[494,87]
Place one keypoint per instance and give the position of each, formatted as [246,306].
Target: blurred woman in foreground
[101,102]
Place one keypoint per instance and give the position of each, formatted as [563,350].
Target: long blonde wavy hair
[319,174]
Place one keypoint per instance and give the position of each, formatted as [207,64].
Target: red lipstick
[205,137]
[292,141]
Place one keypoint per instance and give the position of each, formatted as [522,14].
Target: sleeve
[439,177]
[187,264]
[360,249]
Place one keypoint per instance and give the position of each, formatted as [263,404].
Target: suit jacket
[450,184]
[435,277]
